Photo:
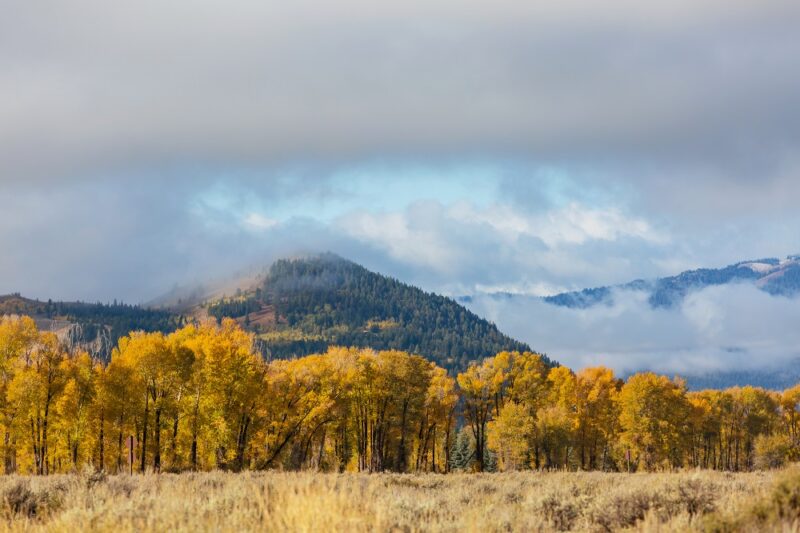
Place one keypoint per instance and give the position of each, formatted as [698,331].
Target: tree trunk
[174,444]
[433,452]
[321,448]
[157,452]
[119,446]
[448,432]
[45,469]
[478,430]
[144,431]
[7,452]
[102,440]
[193,452]
[242,441]
[402,460]
[35,444]
[419,443]
[73,447]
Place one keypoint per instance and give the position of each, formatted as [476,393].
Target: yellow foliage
[510,434]
[203,397]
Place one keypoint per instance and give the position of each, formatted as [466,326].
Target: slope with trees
[95,327]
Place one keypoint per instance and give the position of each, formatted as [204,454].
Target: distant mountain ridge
[774,276]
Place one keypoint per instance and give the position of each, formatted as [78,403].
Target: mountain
[298,307]
[304,305]
[775,276]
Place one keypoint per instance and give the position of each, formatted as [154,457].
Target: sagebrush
[525,501]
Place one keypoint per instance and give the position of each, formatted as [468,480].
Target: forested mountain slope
[95,327]
[305,305]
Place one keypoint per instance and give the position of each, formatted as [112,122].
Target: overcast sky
[462,146]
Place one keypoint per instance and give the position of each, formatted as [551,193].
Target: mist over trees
[204,398]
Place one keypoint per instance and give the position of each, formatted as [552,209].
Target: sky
[465,147]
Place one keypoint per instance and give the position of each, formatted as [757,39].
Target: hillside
[305,305]
[95,327]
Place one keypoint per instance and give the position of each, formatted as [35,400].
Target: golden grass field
[560,501]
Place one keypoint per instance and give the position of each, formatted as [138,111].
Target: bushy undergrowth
[779,510]
[525,501]
[20,500]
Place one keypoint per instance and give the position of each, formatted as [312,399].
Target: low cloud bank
[716,329]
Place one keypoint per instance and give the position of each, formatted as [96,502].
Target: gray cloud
[709,86]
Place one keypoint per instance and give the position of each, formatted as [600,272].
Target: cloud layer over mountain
[715,329]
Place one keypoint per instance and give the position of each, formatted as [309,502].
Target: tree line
[203,398]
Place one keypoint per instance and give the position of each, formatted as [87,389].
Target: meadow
[529,501]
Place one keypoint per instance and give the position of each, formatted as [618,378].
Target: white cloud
[258,221]
[413,236]
[527,288]
[572,224]
[438,236]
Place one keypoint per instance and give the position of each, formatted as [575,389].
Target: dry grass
[321,502]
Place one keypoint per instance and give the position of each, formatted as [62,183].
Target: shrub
[771,451]
[778,511]
[692,497]
[96,478]
[21,500]
[623,510]
[561,515]
[697,497]
[785,501]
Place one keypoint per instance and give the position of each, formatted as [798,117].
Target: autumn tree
[437,422]
[301,399]
[653,417]
[234,377]
[33,391]
[790,416]
[597,416]
[556,421]
[510,436]
[17,338]
[75,409]
[480,387]
[119,395]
